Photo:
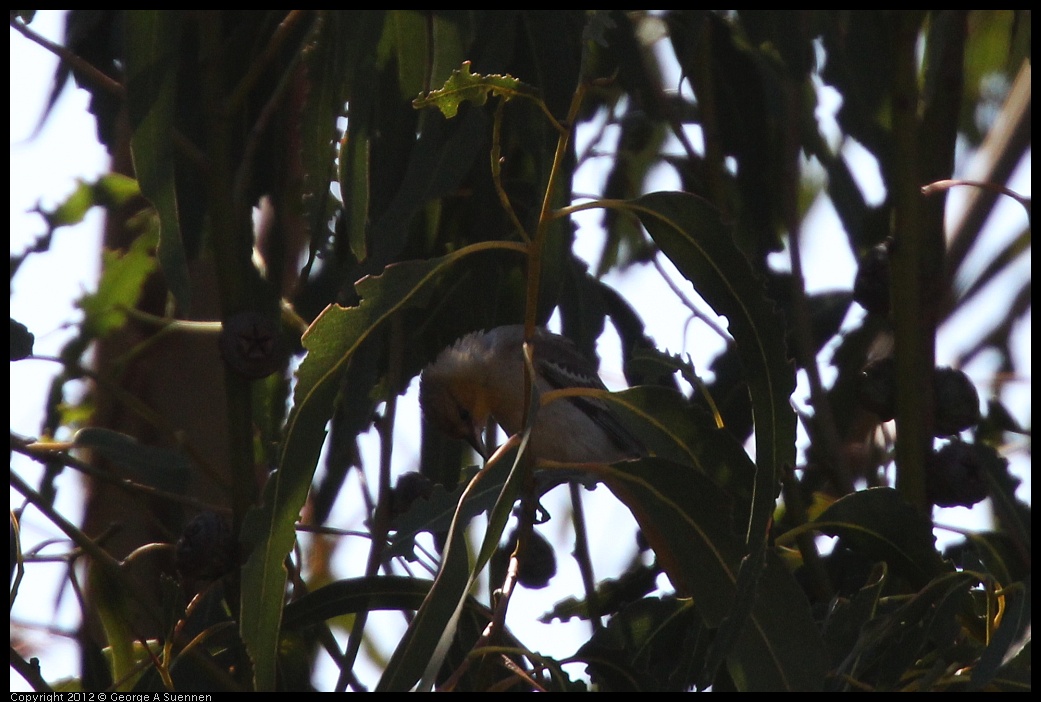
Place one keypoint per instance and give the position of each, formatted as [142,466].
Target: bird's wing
[559,362]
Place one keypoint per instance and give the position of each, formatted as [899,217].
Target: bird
[481,377]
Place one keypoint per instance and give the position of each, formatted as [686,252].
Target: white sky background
[44,171]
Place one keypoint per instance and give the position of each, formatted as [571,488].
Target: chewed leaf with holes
[463,85]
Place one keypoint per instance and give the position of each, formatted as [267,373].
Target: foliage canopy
[306,206]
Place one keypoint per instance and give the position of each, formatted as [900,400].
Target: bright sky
[44,170]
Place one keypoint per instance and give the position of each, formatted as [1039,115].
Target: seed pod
[206,549]
[957,404]
[21,341]
[538,564]
[956,474]
[409,487]
[252,344]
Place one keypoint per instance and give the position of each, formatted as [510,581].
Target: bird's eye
[464,414]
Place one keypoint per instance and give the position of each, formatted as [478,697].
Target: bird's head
[454,400]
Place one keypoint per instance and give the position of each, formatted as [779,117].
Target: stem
[999,155]
[823,430]
[85,68]
[546,215]
[266,58]
[84,542]
[913,339]
[496,164]
[46,454]
[89,73]
[582,557]
[231,242]
[689,304]
[172,323]
[381,517]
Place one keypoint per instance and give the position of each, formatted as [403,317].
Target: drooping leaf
[152,41]
[690,233]
[686,519]
[162,468]
[339,65]
[425,641]
[881,524]
[669,426]
[355,595]
[647,647]
[422,650]
[434,514]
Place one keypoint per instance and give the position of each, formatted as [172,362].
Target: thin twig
[547,215]
[46,453]
[97,77]
[89,546]
[382,515]
[583,558]
[266,58]
[496,164]
[89,71]
[689,304]
[942,185]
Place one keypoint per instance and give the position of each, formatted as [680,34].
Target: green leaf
[434,514]
[686,519]
[115,189]
[425,644]
[73,209]
[690,233]
[162,468]
[123,275]
[337,62]
[780,646]
[408,32]
[110,190]
[464,86]
[355,595]
[152,38]
[893,646]
[880,524]
[424,640]
[847,619]
[671,427]
[645,647]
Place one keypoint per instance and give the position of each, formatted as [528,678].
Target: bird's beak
[476,439]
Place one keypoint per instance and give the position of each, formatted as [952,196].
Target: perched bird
[481,376]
